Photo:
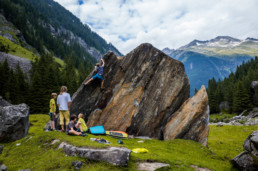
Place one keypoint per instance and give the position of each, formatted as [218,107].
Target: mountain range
[216,58]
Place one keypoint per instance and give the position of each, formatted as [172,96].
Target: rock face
[191,120]
[14,122]
[142,90]
[248,160]
[113,155]
[13,61]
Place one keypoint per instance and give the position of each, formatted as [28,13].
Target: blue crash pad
[97,130]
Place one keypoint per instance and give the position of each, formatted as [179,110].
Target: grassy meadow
[36,152]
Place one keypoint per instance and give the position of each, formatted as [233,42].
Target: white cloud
[166,23]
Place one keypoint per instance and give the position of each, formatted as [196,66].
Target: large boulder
[191,121]
[248,160]
[14,122]
[142,90]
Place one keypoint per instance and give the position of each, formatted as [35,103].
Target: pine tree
[23,87]
[255,97]
[4,80]
[213,102]
[241,100]
[13,87]
[70,76]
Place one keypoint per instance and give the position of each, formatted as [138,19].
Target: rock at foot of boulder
[147,166]
[191,120]
[113,155]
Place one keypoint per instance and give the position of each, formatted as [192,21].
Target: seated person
[84,127]
[73,127]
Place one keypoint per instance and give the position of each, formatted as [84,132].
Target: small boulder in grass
[77,165]
[247,160]
[3,167]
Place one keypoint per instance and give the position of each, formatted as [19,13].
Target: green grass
[18,50]
[221,117]
[36,152]
[227,141]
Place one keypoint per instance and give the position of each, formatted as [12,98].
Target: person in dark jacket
[99,69]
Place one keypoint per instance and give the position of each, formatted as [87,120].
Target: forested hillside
[236,89]
[46,77]
[50,28]
[43,31]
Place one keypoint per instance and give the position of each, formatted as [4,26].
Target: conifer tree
[13,87]
[4,80]
[23,87]
[70,76]
[241,99]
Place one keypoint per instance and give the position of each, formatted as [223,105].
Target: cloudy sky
[165,23]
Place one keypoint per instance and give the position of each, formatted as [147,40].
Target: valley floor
[35,151]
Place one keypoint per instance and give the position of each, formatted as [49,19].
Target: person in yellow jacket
[52,111]
[83,124]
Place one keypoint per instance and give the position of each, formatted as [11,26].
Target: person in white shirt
[63,103]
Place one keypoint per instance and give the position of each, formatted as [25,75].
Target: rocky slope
[142,91]
[13,61]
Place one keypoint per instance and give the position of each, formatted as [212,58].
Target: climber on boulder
[99,69]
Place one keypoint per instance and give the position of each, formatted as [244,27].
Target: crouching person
[73,127]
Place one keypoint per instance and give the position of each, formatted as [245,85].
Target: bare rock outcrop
[13,61]
[142,90]
[14,122]
[191,121]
